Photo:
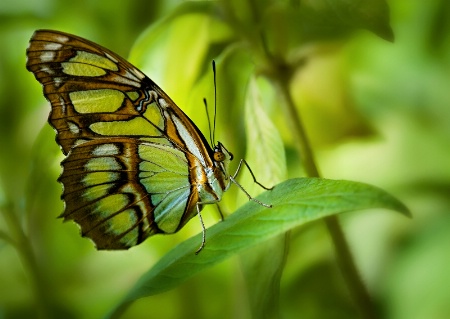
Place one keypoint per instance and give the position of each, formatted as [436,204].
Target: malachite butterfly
[135,164]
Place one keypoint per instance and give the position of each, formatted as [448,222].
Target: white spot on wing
[79,141]
[51,46]
[74,128]
[57,82]
[47,70]
[106,149]
[153,95]
[126,81]
[163,103]
[61,38]
[138,73]
[47,56]
[111,57]
[131,75]
[63,105]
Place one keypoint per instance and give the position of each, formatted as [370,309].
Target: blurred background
[376,111]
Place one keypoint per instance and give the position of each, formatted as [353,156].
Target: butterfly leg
[222,217]
[203,231]
[248,195]
[233,179]
[243,161]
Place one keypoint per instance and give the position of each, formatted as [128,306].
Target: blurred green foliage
[375,111]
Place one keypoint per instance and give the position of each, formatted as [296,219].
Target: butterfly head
[222,158]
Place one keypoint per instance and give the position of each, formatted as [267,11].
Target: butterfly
[135,164]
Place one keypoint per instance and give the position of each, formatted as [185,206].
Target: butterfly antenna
[215,100]
[209,123]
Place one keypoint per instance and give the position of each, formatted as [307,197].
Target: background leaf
[262,270]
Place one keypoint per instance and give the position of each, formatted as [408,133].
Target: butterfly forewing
[136,165]
[86,84]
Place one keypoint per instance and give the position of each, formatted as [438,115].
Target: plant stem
[344,256]
[25,251]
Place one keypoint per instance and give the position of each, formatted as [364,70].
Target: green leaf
[290,26]
[264,144]
[372,15]
[175,51]
[295,202]
[262,271]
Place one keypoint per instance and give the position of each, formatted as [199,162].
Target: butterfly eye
[231,156]
[219,156]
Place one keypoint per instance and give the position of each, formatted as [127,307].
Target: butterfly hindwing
[123,191]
